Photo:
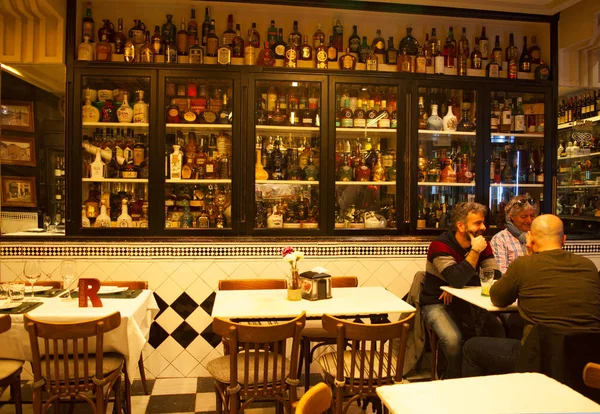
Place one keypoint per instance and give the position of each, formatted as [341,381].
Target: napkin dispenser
[315,286]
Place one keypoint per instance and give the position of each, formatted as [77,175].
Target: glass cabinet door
[446,154]
[516,151]
[365,156]
[287,154]
[198,153]
[115,128]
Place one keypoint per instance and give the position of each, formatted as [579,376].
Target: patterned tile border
[217,251]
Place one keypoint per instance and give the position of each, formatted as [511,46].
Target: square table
[509,393]
[128,339]
[273,304]
[472,294]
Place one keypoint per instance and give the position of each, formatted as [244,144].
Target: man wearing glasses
[509,243]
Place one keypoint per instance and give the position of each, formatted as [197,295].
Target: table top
[273,303]
[509,393]
[472,294]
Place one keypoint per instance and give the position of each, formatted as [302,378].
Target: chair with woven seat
[257,367]
[66,367]
[10,370]
[369,363]
[316,333]
[317,400]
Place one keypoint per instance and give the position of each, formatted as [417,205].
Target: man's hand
[478,244]
[446,298]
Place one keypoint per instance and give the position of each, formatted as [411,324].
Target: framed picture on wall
[17,151]
[17,116]
[18,192]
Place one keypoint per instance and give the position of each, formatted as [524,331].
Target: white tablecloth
[273,303]
[472,294]
[128,339]
[510,393]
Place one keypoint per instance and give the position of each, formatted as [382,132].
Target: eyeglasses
[522,202]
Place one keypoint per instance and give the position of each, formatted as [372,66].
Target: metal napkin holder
[315,286]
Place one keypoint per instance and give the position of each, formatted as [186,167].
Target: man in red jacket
[454,259]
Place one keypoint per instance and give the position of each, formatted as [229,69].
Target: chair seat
[316,333]
[112,361]
[219,368]
[9,367]
[328,363]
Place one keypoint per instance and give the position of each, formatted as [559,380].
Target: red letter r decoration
[88,288]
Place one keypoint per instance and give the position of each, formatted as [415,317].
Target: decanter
[140,109]
[124,220]
[85,222]
[103,220]
[434,122]
[125,113]
[465,124]
[89,113]
[449,121]
[259,172]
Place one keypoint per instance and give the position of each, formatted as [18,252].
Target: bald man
[554,287]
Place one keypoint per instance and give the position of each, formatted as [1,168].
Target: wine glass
[68,272]
[47,221]
[57,219]
[32,272]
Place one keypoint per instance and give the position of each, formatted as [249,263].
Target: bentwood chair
[133,285]
[10,371]
[591,375]
[66,367]
[317,400]
[370,362]
[257,367]
[316,333]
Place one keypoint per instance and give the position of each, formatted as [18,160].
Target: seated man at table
[509,243]
[454,259]
[554,287]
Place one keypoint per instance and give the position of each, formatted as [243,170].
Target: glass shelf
[426,184]
[198,126]
[115,180]
[288,182]
[293,129]
[391,183]
[517,185]
[514,135]
[140,125]
[446,133]
[202,181]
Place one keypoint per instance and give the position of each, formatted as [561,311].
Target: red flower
[286,251]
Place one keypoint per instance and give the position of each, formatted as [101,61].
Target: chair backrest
[262,375]
[591,375]
[5,323]
[58,341]
[130,284]
[372,360]
[344,281]
[316,400]
[252,284]
[54,284]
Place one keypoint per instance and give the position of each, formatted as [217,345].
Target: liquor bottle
[170,52]
[448,175]
[89,113]
[306,50]
[506,120]
[212,41]
[519,117]
[295,37]
[169,31]
[156,41]
[410,43]
[422,114]
[97,168]
[430,46]
[272,35]
[338,35]
[109,30]
[492,69]
[276,162]
[321,56]
[362,172]
[438,58]
[205,28]
[512,58]
[476,61]
[103,219]
[195,53]
[391,54]
[250,53]
[147,51]
[125,113]
[129,50]
[434,122]
[237,48]
[484,45]
[378,45]
[378,170]
[539,176]
[103,49]
[85,51]
[311,172]
[465,124]
[182,39]
[224,53]
[139,152]
[372,61]
[87,24]
[534,52]
[124,220]
[363,51]
[421,61]
[254,36]
[497,51]
[224,115]
[354,40]
[259,171]
[291,55]
[332,51]
[463,53]
[280,46]
[449,121]
[229,33]
[175,161]
[525,59]
[450,50]
[347,62]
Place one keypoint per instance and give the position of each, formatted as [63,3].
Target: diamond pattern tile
[170,349]
[185,276]
[199,291]
[169,290]
[208,303]
[210,336]
[157,335]
[169,320]
[162,305]
[184,334]
[185,363]
[184,305]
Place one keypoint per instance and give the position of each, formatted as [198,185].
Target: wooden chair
[434,344]
[10,371]
[66,368]
[317,400]
[591,375]
[257,367]
[252,284]
[133,285]
[319,335]
[370,362]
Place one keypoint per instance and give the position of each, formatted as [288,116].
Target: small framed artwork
[18,192]
[17,151]
[17,116]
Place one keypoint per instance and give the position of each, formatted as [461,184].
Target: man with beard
[454,259]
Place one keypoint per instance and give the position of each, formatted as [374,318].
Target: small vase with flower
[294,291]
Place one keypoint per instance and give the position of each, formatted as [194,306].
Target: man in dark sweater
[454,259]
[554,287]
